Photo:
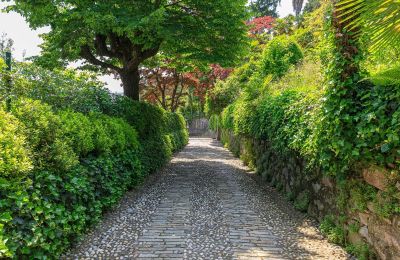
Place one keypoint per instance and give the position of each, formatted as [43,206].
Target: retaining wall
[318,194]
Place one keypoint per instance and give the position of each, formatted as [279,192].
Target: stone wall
[313,192]
[199,127]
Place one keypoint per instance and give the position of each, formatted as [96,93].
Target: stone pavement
[205,205]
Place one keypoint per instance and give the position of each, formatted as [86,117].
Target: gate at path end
[199,127]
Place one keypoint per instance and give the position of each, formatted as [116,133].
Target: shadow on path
[205,205]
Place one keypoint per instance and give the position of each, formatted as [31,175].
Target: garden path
[205,205]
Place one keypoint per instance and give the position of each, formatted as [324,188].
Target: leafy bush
[361,250]
[279,55]
[78,131]
[332,231]
[64,163]
[226,92]
[302,201]
[43,131]
[73,167]
[214,122]
[227,120]
[62,89]
[151,124]
[15,161]
[177,132]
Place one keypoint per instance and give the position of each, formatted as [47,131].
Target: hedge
[61,169]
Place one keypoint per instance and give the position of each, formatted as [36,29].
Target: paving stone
[204,205]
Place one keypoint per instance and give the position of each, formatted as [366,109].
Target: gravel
[205,205]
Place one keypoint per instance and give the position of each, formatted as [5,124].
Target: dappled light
[244,129]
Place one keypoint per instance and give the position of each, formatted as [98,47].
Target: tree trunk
[130,81]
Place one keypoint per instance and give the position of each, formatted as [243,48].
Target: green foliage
[379,20]
[302,201]
[227,120]
[77,131]
[43,131]
[279,55]
[360,194]
[388,77]
[15,161]
[332,231]
[137,30]
[247,153]
[177,132]
[52,197]
[214,122]
[311,5]
[369,132]
[62,89]
[151,125]
[386,203]
[50,214]
[264,7]
[61,170]
[362,251]
[226,92]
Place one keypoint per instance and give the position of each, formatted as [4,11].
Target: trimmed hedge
[61,169]
[72,168]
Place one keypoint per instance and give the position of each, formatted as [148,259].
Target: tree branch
[87,54]
[101,46]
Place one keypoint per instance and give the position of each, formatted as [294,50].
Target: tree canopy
[264,7]
[118,35]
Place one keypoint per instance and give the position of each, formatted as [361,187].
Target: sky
[27,40]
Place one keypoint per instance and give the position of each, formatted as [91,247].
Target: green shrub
[302,201]
[78,131]
[58,207]
[176,129]
[61,169]
[332,231]
[226,92]
[112,134]
[362,251]
[52,204]
[43,131]
[215,122]
[148,120]
[242,117]
[62,89]
[153,125]
[15,161]
[279,55]
[227,120]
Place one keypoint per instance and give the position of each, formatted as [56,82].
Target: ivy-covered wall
[322,124]
[356,213]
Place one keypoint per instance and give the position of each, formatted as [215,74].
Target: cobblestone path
[205,205]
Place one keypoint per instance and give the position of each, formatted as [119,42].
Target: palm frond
[380,20]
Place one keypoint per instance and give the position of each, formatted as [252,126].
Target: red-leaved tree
[261,25]
[167,86]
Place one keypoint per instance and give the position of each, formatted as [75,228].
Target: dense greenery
[333,104]
[119,35]
[69,151]
[324,89]
[334,123]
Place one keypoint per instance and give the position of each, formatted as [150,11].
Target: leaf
[385,148]
[5,217]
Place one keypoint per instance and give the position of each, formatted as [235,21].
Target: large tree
[118,35]
[264,7]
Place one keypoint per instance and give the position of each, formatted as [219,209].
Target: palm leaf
[378,19]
